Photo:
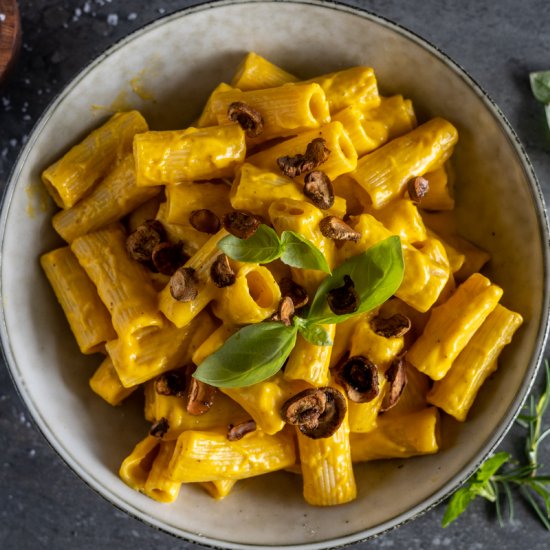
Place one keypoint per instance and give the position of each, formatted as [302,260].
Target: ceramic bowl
[178,60]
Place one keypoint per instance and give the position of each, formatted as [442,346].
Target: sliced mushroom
[285,312]
[359,377]
[418,188]
[396,375]
[200,397]
[338,230]
[160,428]
[205,221]
[144,239]
[221,272]
[171,383]
[294,291]
[183,285]
[234,433]
[343,299]
[392,327]
[167,258]
[316,153]
[241,224]
[249,119]
[318,189]
[318,412]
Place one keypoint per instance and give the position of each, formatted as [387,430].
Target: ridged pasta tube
[440,194]
[135,468]
[210,456]
[342,158]
[74,175]
[214,342]
[219,488]
[110,200]
[402,218]
[106,383]
[208,118]
[158,485]
[357,199]
[392,118]
[384,173]
[452,325]
[456,392]
[285,110]
[175,156]
[402,436]
[122,283]
[255,73]
[88,318]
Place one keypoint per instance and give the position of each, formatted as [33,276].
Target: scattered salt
[132,16]
[112,19]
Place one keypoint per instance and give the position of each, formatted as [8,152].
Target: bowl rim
[506,421]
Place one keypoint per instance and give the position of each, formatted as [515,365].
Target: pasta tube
[158,485]
[135,468]
[88,318]
[208,118]
[452,325]
[110,200]
[73,175]
[257,73]
[285,110]
[210,456]
[392,118]
[357,199]
[176,156]
[122,284]
[219,488]
[214,342]
[456,392]
[384,173]
[402,436]
[106,383]
[402,218]
[440,194]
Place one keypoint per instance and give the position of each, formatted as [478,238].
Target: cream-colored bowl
[179,59]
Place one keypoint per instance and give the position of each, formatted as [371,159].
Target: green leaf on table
[480,486]
[376,273]
[251,355]
[261,248]
[299,252]
[540,85]
[314,334]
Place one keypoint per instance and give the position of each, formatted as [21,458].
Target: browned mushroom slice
[205,221]
[248,118]
[234,433]
[393,327]
[241,224]
[159,428]
[338,230]
[418,188]
[221,272]
[396,375]
[343,299]
[183,285]
[200,397]
[144,239]
[285,311]
[317,151]
[171,383]
[318,189]
[359,376]
[318,412]
[294,291]
[167,258]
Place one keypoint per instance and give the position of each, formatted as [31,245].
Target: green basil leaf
[377,273]
[299,252]
[261,248]
[251,355]
[540,85]
[478,487]
[314,334]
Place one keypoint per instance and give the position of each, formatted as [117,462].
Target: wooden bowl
[10,36]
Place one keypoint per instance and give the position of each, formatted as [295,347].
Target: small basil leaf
[251,355]
[478,487]
[377,273]
[261,248]
[540,85]
[314,334]
[299,252]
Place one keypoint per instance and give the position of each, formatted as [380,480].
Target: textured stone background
[42,503]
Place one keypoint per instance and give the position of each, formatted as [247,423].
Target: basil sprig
[258,351]
[265,246]
[540,85]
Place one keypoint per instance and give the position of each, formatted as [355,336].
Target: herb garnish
[256,352]
[265,246]
[540,86]
[490,483]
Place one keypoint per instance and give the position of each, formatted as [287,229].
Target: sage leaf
[480,486]
[253,354]
[377,274]
[299,252]
[540,85]
[261,248]
[314,334]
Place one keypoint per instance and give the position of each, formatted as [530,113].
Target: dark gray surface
[42,503]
